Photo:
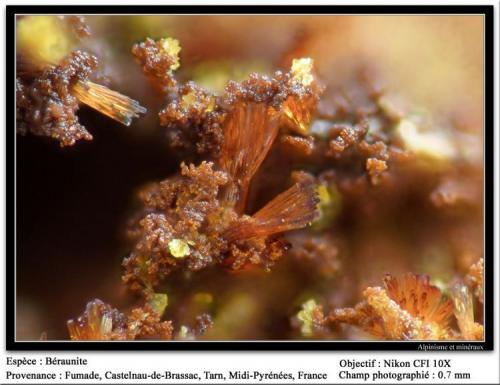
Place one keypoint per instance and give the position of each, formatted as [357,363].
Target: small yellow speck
[159,302]
[306,317]
[302,70]
[211,105]
[324,195]
[172,48]
[188,100]
[183,332]
[179,248]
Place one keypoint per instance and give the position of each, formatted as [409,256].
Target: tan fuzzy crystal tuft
[99,322]
[464,313]
[408,308]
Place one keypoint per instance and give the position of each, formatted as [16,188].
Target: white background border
[483,366]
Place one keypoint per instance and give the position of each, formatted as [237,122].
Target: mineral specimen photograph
[246,177]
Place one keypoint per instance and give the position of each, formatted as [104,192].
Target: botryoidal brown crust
[176,208]
[377,152]
[193,120]
[156,63]
[319,252]
[199,124]
[45,105]
[352,128]
[197,218]
[193,116]
[188,208]
[49,90]
[78,25]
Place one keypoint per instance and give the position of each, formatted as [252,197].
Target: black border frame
[489,137]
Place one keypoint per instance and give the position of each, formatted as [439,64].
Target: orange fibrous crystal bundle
[201,216]
[249,132]
[294,99]
[100,322]
[289,210]
[417,296]
[198,219]
[194,116]
[46,105]
[49,86]
[108,102]
[406,308]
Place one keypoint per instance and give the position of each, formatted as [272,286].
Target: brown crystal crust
[193,120]
[191,117]
[145,323]
[187,208]
[101,322]
[357,144]
[46,105]
[319,252]
[48,92]
[346,141]
[273,91]
[375,167]
[300,145]
[183,207]
[352,130]
[197,218]
[157,63]
[194,116]
[78,25]
[202,324]
[345,136]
